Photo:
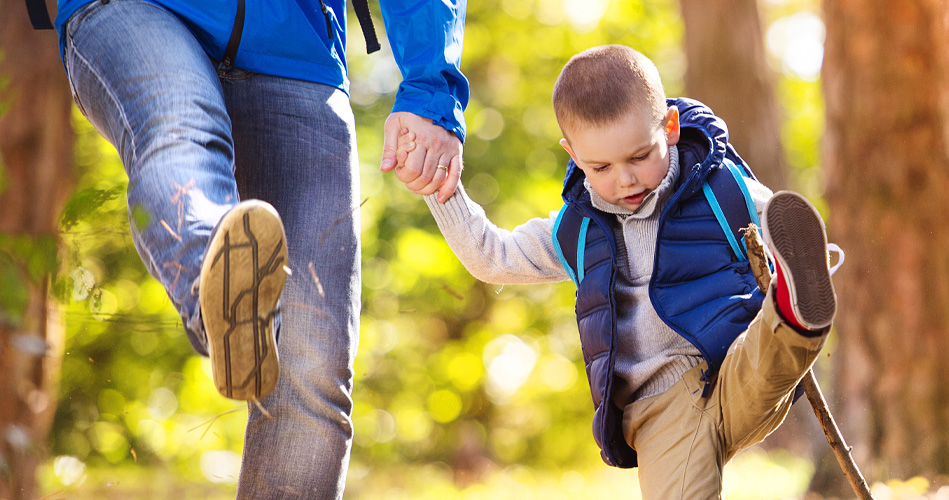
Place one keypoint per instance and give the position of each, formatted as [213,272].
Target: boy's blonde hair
[603,83]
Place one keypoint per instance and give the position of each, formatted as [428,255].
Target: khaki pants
[684,440]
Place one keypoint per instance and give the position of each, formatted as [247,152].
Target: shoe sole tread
[795,232]
[242,279]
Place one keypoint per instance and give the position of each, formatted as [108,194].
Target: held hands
[407,145]
[425,156]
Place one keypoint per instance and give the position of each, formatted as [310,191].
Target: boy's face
[626,159]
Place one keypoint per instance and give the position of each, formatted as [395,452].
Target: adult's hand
[435,163]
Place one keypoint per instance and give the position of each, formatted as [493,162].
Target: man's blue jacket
[294,39]
[699,286]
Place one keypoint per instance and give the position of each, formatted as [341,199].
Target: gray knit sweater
[651,357]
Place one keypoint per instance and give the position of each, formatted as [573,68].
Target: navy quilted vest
[699,286]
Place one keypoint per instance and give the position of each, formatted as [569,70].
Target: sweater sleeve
[523,255]
[760,194]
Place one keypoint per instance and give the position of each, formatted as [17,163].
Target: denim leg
[147,86]
[295,148]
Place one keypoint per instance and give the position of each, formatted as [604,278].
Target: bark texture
[886,157]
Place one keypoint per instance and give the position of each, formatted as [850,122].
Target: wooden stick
[834,437]
[759,265]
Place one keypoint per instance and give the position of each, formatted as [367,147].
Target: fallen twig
[211,421]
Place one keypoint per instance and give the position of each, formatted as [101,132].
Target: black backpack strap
[39,16]
[230,53]
[365,22]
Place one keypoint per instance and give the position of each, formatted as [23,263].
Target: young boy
[688,361]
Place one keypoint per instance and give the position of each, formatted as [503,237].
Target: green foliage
[84,202]
[456,380]
[24,261]
[14,300]
[36,255]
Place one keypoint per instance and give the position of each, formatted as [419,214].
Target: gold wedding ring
[442,167]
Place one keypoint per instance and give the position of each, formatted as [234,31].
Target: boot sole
[795,232]
[242,278]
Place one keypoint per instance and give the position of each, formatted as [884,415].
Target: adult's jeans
[194,138]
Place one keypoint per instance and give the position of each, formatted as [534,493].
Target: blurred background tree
[727,69]
[463,389]
[886,80]
[35,181]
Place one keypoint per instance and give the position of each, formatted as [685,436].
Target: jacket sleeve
[426,37]
[523,255]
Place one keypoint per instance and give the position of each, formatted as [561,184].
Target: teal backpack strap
[740,180]
[723,221]
[570,238]
[581,248]
[724,193]
[559,249]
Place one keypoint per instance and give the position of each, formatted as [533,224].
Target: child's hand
[405,146]
[434,165]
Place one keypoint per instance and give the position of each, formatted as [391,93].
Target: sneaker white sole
[794,231]
[242,278]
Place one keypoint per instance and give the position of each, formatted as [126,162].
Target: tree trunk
[35,179]
[728,71]
[886,157]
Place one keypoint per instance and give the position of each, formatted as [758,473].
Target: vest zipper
[655,264]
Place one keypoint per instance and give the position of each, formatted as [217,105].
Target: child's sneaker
[794,231]
[242,278]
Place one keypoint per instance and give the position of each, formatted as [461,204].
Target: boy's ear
[566,146]
[672,126]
